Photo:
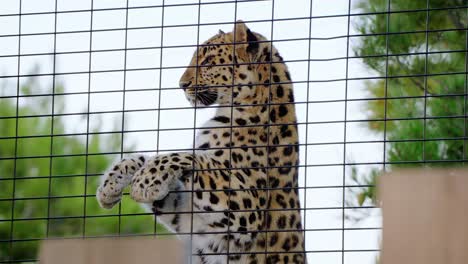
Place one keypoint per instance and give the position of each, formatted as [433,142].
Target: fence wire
[85,83]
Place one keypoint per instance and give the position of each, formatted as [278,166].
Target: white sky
[318,176]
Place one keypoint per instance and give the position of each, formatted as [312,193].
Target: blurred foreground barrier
[425,216]
[111,250]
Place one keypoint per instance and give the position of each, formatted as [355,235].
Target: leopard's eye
[207,60]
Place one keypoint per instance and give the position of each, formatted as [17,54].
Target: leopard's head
[220,71]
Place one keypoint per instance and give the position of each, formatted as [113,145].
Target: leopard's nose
[184,84]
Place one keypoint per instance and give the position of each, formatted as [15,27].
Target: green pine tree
[411,96]
[27,191]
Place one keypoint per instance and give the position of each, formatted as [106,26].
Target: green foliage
[410,96]
[37,196]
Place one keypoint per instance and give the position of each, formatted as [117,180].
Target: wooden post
[111,250]
[425,216]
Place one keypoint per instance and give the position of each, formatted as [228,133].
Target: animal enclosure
[378,85]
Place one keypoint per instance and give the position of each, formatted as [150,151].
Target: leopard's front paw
[109,193]
[154,181]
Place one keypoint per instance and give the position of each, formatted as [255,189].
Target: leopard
[237,193]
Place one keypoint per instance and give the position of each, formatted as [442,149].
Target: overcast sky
[148,88]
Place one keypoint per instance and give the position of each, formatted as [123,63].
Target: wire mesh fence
[377,85]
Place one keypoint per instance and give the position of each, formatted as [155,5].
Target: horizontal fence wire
[375,89]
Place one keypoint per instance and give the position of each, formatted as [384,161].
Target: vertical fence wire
[88,108]
[17,114]
[49,192]
[465,106]
[387,36]
[196,173]
[124,92]
[160,88]
[308,86]
[426,58]
[343,202]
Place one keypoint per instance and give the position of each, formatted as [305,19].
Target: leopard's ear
[246,42]
[221,32]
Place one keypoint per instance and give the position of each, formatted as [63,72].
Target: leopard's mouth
[202,97]
[207,97]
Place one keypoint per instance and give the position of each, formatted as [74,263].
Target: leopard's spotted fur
[241,182]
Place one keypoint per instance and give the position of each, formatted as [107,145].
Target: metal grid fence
[378,84]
